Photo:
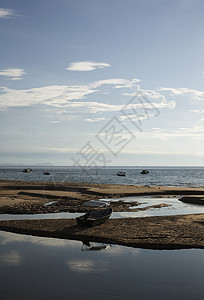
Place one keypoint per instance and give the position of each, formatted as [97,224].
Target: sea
[161,176]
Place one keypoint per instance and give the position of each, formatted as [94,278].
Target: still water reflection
[46,268]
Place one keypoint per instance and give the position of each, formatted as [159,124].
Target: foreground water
[167,176]
[46,268]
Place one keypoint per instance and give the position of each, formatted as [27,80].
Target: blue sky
[96,82]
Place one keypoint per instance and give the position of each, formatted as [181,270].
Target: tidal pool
[46,268]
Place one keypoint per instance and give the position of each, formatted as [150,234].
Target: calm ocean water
[167,176]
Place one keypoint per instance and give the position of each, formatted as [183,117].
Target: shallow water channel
[40,268]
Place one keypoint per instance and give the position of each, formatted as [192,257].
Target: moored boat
[27,170]
[46,173]
[95,217]
[144,171]
[121,174]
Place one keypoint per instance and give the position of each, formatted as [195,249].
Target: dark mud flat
[169,232]
[199,200]
[31,197]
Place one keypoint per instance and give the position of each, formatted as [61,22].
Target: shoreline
[167,232]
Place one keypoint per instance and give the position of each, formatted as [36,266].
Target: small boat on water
[27,170]
[144,171]
[95,217]
[46,173]
[121,174]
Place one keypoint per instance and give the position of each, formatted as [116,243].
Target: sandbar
[30,197]
[167,232]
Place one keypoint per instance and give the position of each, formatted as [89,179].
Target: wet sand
[29,197]
[169,232]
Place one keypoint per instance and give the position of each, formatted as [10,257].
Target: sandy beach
[168,232]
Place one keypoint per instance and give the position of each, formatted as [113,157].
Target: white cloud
[56,96]
[197,111]
[196,132]
[70,99]
[6,13]
[13,74]
[55,122]
[95,120]
[117,82]
[86,66]
[192,94]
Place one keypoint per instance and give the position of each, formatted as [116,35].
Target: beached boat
[27,170]
[121,174]
[95,217]
[144,171]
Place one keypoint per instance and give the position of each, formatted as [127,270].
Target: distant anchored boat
[121,174]
[95,217]
[144,171]
[27,170]
[46,173]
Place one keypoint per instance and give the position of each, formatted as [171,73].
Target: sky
[102,83]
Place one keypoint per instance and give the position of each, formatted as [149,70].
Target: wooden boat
[95,217]
[27,170]
[121,174]
[144,171]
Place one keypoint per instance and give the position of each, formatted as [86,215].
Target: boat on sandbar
[94,218]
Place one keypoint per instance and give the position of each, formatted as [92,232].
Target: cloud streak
[6,13]
[13,74]
[86,66]
[73,98]
[195,132]
[94,120]
[56,95]
[193,94]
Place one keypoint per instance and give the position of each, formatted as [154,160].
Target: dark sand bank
[170,232]
[26,197]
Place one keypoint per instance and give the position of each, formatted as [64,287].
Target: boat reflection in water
[90,246]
